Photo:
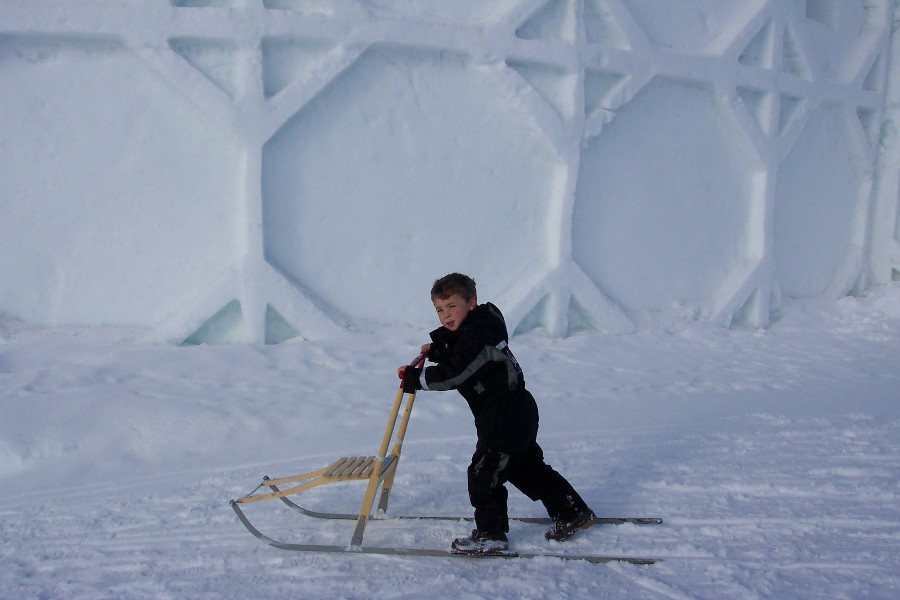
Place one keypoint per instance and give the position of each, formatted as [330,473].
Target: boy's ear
[473,302]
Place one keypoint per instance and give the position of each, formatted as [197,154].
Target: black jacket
[476,361]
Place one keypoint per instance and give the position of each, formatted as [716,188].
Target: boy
[472,356]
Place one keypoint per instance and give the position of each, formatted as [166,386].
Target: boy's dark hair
[454,283]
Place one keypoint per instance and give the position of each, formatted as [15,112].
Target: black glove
[411,380]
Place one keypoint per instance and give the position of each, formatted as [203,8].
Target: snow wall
[254,170]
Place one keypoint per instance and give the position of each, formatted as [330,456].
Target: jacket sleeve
[480,359]
[438,350]
[455,365]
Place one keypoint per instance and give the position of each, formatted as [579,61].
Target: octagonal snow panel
[415,164]
[662,207]
[817,206]
[837,32]
[98,152]
[698,21]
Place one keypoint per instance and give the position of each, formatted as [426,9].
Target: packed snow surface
[773,456]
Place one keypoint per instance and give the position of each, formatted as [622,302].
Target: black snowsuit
[476,361]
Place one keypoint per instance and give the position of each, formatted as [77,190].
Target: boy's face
[451,311]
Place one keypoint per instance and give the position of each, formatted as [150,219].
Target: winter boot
[563,530]
[481,543]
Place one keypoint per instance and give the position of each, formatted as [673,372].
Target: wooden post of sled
[382,471]
[378,470]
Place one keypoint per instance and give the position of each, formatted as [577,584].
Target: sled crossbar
[378,470]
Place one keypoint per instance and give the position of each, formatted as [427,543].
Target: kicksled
[378,472]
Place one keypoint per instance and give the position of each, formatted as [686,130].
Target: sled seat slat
[356,467]
[349,467]
[329,471]
[363,467]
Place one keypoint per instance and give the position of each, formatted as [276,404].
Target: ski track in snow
[773,456]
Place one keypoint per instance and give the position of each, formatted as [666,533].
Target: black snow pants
[526,470]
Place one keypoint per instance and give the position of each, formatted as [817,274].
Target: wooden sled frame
[378,470]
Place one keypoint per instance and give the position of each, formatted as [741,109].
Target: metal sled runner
[379,471]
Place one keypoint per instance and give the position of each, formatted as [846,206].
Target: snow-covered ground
[773,456]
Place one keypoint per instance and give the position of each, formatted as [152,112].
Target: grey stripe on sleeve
[489,354]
